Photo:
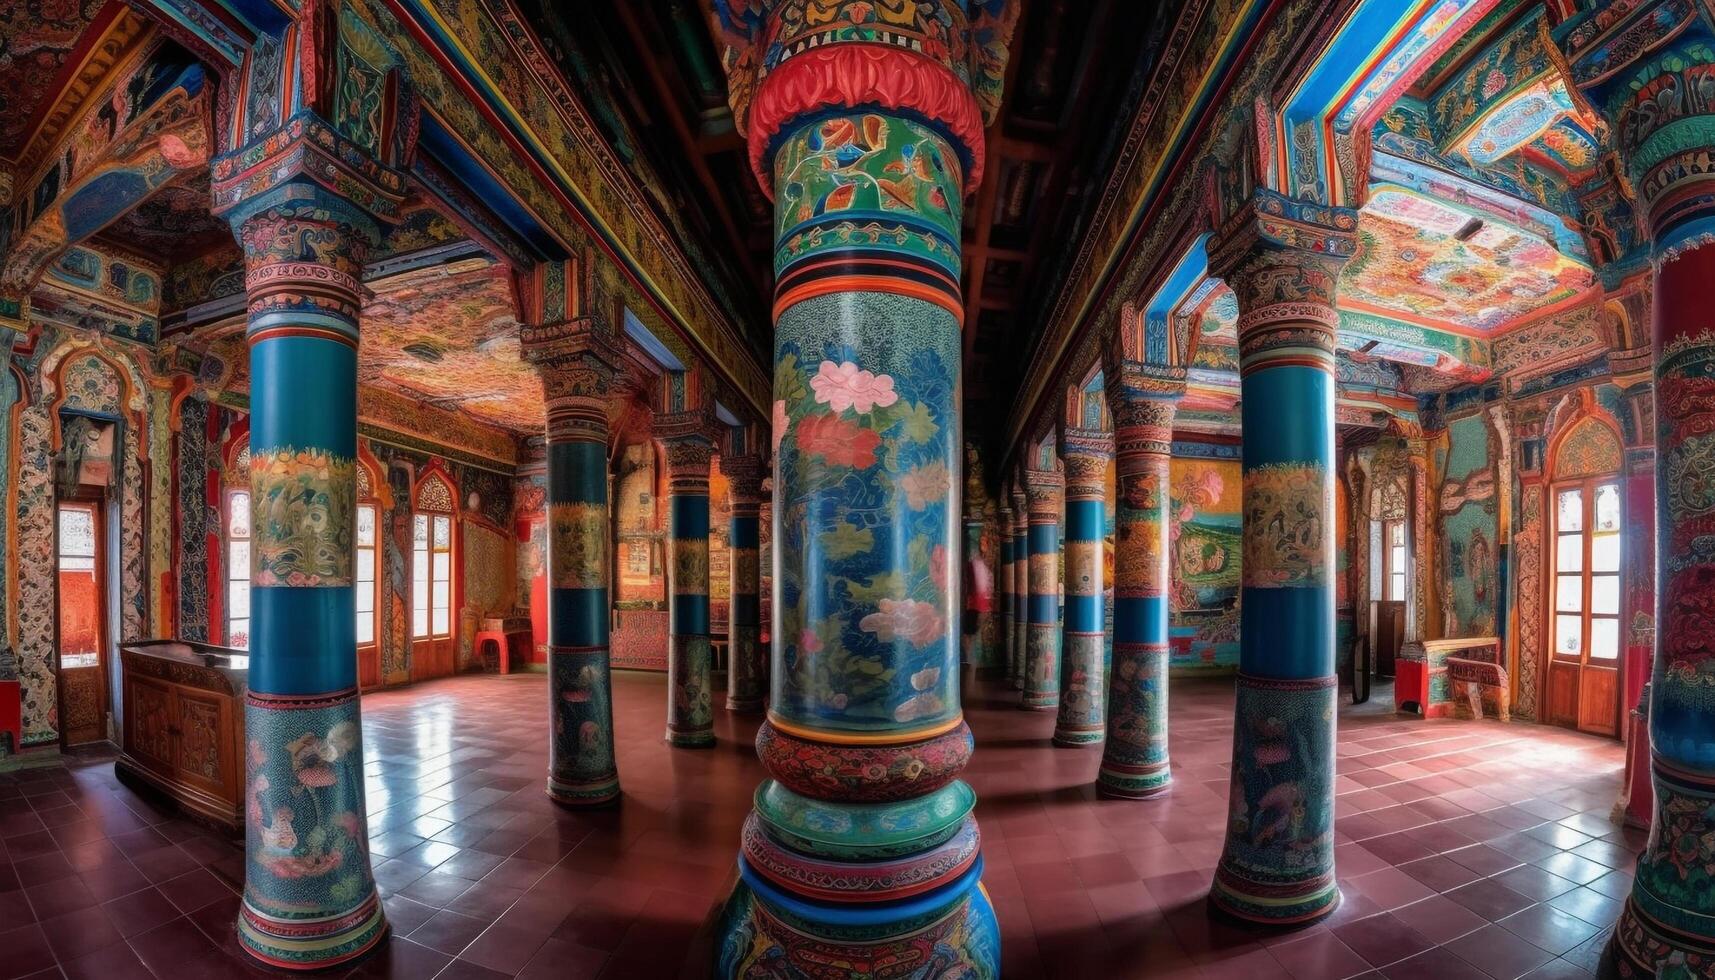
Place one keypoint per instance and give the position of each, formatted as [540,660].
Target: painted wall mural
[1469,514]
[1206,560]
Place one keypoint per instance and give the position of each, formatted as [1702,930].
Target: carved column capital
[744,476]
[1046,490]
[1086,454]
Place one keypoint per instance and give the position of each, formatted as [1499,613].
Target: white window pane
[238,554]
[238,601]
[420,530]
[72,563]
[238,515]
[1608,507]
[366,564]
[1396,587]
[238,634]
[420,598]
[77,532]
[1569,593]
[1569,553]
[442,592]
[1604,639]
[365,525]
[420,622]
[1605,594]
[364,593]
[440,622]
[1605,553]
[443,532]
[1571,511]
[443,566]
[1568,635]
[419,566]
[1396,534]
[366,628]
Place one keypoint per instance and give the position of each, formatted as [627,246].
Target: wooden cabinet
[183,734]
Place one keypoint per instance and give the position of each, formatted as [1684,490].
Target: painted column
[1144,402]
[1046,489]
[747,674]
[1020,583]
[1003,592]
[1083,647]
[1648,71]
[690,703]
[579,360]
[1278,864]
[862,857]
[309,897]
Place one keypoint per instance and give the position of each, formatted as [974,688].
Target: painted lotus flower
[917,622]
[838,442]
[843,385]
[940,567]
[926,484]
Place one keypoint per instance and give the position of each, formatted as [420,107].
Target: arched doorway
[1584,577]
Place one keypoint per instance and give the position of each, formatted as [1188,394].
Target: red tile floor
[1466,849]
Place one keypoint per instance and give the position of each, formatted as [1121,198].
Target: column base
[951,932]
[691,740]
[1667,928]
[1278,864]
[746,706]
[592,794]
[1077,739]
[1141,783]
[309,898]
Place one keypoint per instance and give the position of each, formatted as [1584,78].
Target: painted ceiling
[171,226]
[447,335]
[1431,263]
[37,38]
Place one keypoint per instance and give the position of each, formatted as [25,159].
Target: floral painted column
[1046,489]
[1020,582]
[862,857]
[1083,649]
[1278,864]
[690,703]
[1650,72]
[1143,400]
[579,359]
[309,897]
[746,676]
[1003,592]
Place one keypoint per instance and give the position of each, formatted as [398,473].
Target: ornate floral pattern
[1287,538]
[302,505]
[577,545]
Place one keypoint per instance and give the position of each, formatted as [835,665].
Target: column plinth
[1135,762]
[862,857]
[1083,646]
[579,361]
[1278,864]
[747,673]
[690,699]
[309,894]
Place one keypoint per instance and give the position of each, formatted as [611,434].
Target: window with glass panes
[80,589]
[238,569]
[368,553]
[1587,571]
[1397,562]
[431,576]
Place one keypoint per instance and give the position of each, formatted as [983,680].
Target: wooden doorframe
[96,503]
[432,645]
[1586,485]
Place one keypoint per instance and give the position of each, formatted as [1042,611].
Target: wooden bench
[1478,675]
[1422,679]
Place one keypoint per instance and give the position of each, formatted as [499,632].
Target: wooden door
[1388,619]
[1583,689]
[81,622]
[431,596]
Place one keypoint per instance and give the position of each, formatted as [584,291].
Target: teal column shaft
[581,766]
[1042,636]
[690,710]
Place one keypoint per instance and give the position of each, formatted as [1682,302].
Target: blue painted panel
[309,637]
[1287,633]
[303,394]
[577,617]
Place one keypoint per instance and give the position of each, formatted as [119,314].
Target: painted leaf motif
[900,193]
[874,589]
[923,169]
[837,199]
[845,540]
[920,423]
[874,131]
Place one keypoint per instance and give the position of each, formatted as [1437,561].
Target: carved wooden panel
[200,737]
[1599,701]
[149,714]
[1562,707]
[83,716]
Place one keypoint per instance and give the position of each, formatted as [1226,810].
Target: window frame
[423,589]
[1389,569]
[97,559]
[1587,574]
[374,548]
[230,569]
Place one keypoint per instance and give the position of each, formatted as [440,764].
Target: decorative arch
[434,491]
[73,383]
[1570,419]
